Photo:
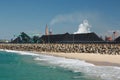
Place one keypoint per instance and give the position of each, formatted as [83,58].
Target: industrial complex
[48,37]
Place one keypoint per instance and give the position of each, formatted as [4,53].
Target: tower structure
[50,31]
[114,35]
[46,30]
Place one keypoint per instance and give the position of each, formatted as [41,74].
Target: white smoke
[62,18]
[83,27]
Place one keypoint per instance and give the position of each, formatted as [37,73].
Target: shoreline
[98,54]
[96,59]
[98,71]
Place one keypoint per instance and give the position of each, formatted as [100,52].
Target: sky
[61,16]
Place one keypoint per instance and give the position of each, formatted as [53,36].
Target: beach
[96,59]
[79,66]
[76,51]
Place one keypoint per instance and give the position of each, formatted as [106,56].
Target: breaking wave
[103,72]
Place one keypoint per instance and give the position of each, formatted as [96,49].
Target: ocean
[19,65]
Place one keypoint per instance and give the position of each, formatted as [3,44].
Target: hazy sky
[31,16]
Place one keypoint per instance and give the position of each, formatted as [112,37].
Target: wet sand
[96,59]
[98,54]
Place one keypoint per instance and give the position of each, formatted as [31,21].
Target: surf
[91,70]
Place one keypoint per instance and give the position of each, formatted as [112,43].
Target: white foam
[104,72]
[20,52]
[39,59]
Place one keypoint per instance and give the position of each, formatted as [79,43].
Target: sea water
[18,65]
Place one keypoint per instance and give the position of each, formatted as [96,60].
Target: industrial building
[90,37]
[71,38]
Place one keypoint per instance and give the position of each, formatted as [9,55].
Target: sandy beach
[96,59]
[98,54]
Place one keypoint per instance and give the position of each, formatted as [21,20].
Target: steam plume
[83,27]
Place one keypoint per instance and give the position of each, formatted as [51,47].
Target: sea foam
[103,72]
[20,52]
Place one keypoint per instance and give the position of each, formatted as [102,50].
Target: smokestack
[46,30]
[114,35]
[50,31]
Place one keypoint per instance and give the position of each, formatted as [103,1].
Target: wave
[103,72]
[20,52]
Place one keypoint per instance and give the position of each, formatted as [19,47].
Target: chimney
[114,35]
[50,31]
[46,30]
